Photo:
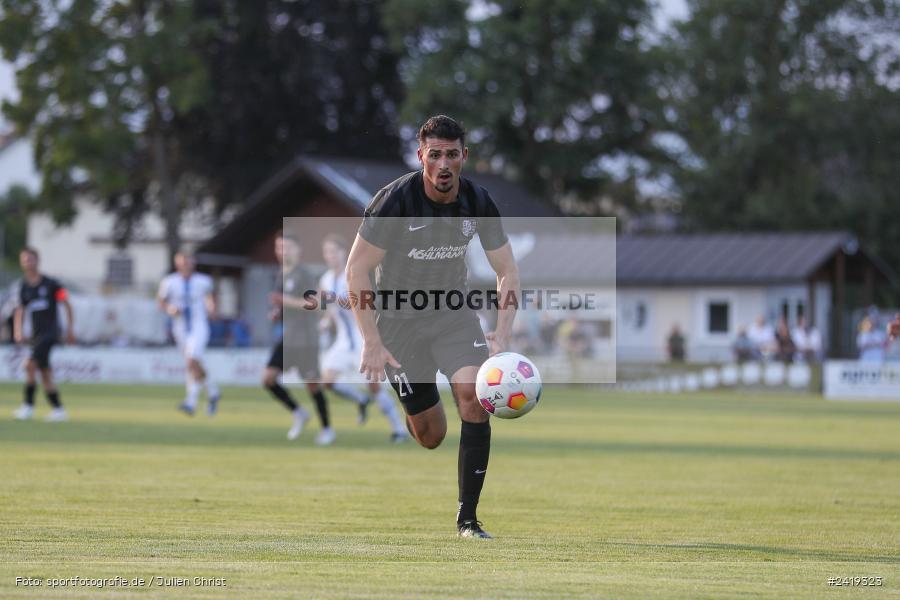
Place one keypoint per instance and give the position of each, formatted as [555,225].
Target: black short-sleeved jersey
[40,302]
[300,325]
[426,241]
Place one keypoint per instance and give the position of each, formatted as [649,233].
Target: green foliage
[791,112]
[97,80]
[15,207]
[314,77]
[546,89]
[139,101]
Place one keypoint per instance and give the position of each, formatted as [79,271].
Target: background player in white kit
[343,356]
[187,297]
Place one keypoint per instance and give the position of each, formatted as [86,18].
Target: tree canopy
[556,94]
[791,116]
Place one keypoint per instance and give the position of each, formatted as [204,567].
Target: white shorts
[340,359]
[193,343]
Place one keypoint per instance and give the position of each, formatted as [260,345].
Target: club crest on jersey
[42,291]
[468,227]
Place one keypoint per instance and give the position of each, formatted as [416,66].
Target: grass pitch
[592,495]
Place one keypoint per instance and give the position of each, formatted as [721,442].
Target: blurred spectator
[871,341]
[893,328]
[675,345]
[522,340]
[548,332]
[785,346]
[762,336]
[240,333]
[573,337]
[526,332]
[744,348]
[576,344]
[229,333]
[808,341]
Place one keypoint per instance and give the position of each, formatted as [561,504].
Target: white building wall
[66,251]
[78,252]
[644,339]
[744,303]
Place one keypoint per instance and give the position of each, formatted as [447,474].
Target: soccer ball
[508,385]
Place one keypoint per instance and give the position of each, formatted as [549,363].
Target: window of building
[717,317]
[119,271]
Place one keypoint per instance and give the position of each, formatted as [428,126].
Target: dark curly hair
[442,127]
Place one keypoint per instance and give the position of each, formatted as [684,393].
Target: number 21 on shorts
[403,381]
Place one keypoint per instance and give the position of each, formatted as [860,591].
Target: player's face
[442,162]
[28,262]
[335,256]
[184,264]
[287,251]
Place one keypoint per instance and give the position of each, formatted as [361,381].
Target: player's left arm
[62,297]
[306,302]
[504,264]
[210,301]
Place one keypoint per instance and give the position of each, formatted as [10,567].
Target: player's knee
[432,437]
[269,379]
[464,392]
[431,441]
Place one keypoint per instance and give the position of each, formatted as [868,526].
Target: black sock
[321,407]
[29,393]
[283,396]
[53,399]
[474,450]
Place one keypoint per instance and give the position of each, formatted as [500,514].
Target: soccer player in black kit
[39,297]
[414,235]
[299,344]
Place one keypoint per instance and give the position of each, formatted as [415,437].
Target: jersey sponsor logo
[438,252]
[411,228]
[36,305]
[468,227]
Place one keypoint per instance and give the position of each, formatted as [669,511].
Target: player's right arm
[18,316]
[364,257]
[162,298]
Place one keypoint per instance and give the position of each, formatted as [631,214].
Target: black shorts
[40,350]
[445,342]
[305,358]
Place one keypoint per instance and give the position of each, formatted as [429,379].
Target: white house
[84,254]
[709,285]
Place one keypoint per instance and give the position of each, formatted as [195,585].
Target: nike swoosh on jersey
[477,345]
[411,228]
[480,471]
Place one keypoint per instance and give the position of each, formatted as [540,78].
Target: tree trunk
[171,213]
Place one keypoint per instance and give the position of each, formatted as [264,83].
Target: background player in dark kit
[39,297]
[299,343]
[427,209]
